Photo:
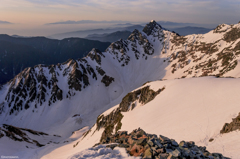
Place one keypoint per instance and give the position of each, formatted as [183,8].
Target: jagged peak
[95,50]
[95,54]
[66,62]
[40,66]
[150,27]
[221,28]
[133,35]
[22,74]
[70,62]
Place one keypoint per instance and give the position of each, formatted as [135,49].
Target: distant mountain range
[17,53]
[175,24]
[5,22]
[113,34]
[85,22]
[110,37]
[191,30]
[85,33]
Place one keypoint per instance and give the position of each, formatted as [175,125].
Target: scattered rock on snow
[147,146]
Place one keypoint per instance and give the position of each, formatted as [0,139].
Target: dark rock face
[119,50]
[107,80]
[218,28]
[108,122]
[139,143]
[96,54]
[137,39]
[26,82]
[76,77]
[148,95]
[56,94]
[80,74]
[100,71]
[237,48]
[144,95]
[232,35]
[129,99]
[148,29]
[19,134]
[24,88]
[1,107]
[234,125]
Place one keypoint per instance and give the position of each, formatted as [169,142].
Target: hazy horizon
[29,17]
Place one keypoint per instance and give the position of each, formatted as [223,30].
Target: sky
[29,17]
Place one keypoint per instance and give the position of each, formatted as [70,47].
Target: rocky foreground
[139,143]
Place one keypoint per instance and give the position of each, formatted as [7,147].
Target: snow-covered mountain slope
[19,141]
[61,99]
[193,109]
[79,87]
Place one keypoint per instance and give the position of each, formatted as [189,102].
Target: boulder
[142,141]
[174,143]
[164,139]
[182,144]
[136,150]
[175,153]
[147,154]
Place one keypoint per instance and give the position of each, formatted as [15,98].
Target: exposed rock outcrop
[149,28]
[96,54]
[112,121]
[232,35]
[107,80]
[234,125]
[144,95]
[20,134]
[139,143]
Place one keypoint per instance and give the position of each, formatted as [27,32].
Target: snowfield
[101,152]
[193,109]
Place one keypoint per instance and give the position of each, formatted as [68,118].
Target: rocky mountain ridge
[18,53]
[35,86]
[180,56]
[28,136]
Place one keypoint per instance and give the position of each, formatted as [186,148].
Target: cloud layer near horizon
[127,10]
[87,22]
[32,13]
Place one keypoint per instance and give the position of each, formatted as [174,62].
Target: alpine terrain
[17,53]
[155,95]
